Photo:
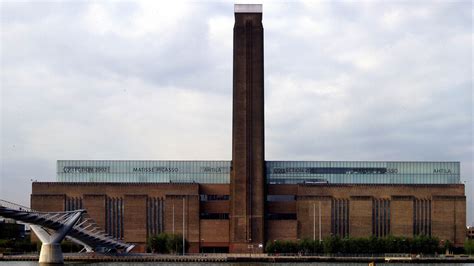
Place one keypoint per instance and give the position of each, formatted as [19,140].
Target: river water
[33,263]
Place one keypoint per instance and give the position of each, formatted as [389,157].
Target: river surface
[33,263]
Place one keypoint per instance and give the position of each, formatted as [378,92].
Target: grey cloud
[344,81]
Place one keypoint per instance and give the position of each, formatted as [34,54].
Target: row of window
[271,179]
[165,167]
[73,203]
[205,197]
[114,217]
[280,198]
[367,179]
[225,216]
[340,217]
[270,198]
[422,217]
[380,217]
[381,214]
[214,216]
[392,167]
[155,218]
[281,216]
[330,170]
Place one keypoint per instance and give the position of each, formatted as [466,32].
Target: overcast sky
[141,80]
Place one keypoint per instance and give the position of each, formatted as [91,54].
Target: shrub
[157,244]
[332,245]
[308,246]
[166,243]
[175,244]
[371,245]
[469,246]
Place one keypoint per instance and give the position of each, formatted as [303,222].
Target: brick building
[470,232]
[239,205]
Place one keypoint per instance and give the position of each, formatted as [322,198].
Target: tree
[332,245]
[158,243]
[166,243]
[308,246]
[469,246]
[174,244]
[447,247]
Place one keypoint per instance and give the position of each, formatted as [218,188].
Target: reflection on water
[33,263]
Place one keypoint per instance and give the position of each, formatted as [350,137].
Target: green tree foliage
[371,245]
[469,246]
[11,245]
[70,247]
[157,244]
[308,246]
[166,243]
[11,231]
[332,245]
[175,244]
[447,247]
[281,246]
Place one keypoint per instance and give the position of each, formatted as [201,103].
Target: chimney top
[247,8]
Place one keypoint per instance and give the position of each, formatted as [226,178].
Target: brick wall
[448,208]
[402,215]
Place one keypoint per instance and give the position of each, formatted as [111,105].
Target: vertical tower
[247,175]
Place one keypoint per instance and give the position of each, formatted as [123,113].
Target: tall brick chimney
[247,217]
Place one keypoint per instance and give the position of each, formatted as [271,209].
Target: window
[340,217]
[73,203]
[114,217]
[422,217]
[155,208]
[214,216]
[204,197]
[281,216]
[381,217]
[281,198]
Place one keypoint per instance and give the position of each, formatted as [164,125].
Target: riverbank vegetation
[371,245]
[8,246]
[166,243]
[469,246]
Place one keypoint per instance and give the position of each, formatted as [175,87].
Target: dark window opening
[214,249]
[329,170]
[381,217]
[281,198]
[340,217]
[214,216]
[204,197]
[281,216]
[422,217]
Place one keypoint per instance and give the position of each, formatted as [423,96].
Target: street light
[251,246]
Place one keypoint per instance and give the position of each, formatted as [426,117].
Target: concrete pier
[51,254]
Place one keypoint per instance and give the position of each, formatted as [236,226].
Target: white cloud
[150,80]
[145,17]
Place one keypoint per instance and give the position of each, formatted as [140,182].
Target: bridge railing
[85,229]
[15,206]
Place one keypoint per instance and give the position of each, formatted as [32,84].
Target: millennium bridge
[52,227]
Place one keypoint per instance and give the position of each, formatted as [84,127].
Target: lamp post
[184,246]
[319,221]
[251,247]
[314,221]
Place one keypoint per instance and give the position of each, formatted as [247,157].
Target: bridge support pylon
[51,252]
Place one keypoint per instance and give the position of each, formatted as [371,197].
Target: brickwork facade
[310,214]
[243,215]
[247,181]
